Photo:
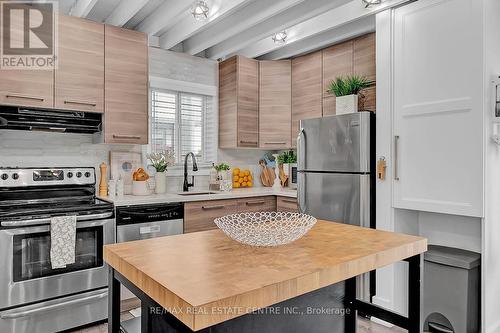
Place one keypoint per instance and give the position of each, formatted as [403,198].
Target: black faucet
[187,185]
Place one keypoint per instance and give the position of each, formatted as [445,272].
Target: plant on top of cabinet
[239,103]
[347,90]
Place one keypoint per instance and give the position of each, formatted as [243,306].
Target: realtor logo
[28,35]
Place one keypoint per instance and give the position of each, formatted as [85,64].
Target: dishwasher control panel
[137,214]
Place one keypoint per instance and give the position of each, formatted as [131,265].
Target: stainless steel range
[34,297]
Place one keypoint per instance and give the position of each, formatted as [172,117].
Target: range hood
[17,118]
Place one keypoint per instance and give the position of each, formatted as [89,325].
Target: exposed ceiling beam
[188,26]
[288,18]
[334,18]
[166,15]
[82,8]
[253,14]
[324,39]
[125,11]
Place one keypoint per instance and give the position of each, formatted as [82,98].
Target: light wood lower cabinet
[200,215]
[286,204]
[259,204]
[126,86]
[79,79]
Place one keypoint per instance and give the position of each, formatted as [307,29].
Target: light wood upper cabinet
[365,64]
[239,103]
[29,88]
[275,103]
[306,90]
[79,78]
[126,86]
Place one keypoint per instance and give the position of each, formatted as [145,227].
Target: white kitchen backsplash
[41,149]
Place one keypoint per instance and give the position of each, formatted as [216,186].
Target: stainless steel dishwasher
[141,222]
[149,221]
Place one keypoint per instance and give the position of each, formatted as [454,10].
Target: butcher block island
[208,282]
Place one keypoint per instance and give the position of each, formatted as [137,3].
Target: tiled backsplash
[40,149]
[27,149]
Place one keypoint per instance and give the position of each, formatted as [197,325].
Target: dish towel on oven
[62,241]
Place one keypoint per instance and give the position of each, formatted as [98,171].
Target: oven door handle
[13,314]
[24,223]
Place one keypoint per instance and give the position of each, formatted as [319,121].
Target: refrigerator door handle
[396,157]
[301,151]
[301,192]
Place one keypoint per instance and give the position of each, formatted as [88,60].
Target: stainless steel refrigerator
[336,176]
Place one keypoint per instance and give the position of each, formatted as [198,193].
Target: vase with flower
[161,160]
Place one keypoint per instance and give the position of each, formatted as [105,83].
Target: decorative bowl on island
[266,228]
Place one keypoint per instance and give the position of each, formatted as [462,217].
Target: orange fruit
[243,184]
[250,177]
[241,174]
[247,172]
[236,178]
[240,180]
[236,185]
[245,178]
[236,171]
[249,184]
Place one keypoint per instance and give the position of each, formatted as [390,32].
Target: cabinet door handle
[289,201]
[396,157]
[275,143]
[248,142]
[25,97]
[135,137]
[260,202]
[80,103]
[212,207]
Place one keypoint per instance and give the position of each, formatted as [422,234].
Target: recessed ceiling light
[200,10]
[280,37]
[368,3]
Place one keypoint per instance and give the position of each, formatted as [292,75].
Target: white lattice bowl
[266,228]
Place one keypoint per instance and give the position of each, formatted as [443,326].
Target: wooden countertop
[206,278]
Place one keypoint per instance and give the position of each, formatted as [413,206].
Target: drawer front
[258,204]
[200,215]
[286,204]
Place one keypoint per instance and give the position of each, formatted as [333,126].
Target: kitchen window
[183,122]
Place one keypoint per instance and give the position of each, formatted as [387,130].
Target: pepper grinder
[103,184]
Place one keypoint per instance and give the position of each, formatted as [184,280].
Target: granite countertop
[128,200]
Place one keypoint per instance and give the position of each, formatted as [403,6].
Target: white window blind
[184,123]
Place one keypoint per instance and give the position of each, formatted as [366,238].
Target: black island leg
[411,323]
[113,302]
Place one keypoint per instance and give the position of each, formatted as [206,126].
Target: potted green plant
[223,176]
[346,90]
[287,159]
[161,161]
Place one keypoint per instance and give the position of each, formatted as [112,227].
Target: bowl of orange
[242,178]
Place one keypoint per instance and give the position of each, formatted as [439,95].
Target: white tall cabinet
[435,63]
[438,107]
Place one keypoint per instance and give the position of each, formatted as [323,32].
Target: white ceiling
[236,26]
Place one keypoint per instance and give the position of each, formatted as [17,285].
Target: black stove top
[43,193]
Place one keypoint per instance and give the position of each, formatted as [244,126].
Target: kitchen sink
[197,193]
